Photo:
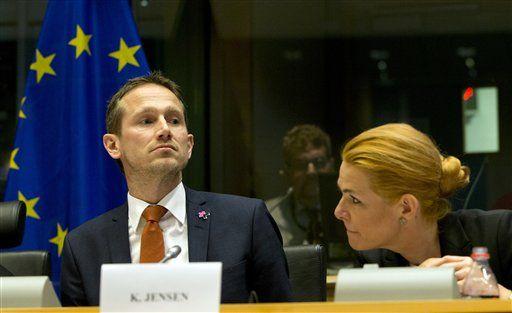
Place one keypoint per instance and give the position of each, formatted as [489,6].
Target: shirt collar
[174,202]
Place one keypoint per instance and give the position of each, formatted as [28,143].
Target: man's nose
[311,169]
[164,131]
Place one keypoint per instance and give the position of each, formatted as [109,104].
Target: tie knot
[153,213]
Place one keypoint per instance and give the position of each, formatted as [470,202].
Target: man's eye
[175,121]
[146,121]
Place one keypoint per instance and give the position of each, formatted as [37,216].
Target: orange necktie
[152,240]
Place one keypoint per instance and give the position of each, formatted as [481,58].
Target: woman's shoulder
[478,226]
[475,216]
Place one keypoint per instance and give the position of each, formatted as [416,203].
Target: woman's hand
[461,264]
[505,294]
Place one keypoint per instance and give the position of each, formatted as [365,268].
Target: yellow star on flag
[125,55]
[12,163]
[59,239]
[42,65]
[81,42]
[21,114]
[31,205]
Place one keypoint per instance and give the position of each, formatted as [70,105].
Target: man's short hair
[300,138]
[115,111]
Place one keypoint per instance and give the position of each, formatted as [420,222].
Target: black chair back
[12,223]
[307,266]
[12,227]
[26,263]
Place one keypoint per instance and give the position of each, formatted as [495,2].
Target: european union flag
[86,51]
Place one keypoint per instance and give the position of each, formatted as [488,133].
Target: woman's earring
[402,221]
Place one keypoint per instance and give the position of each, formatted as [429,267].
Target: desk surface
[383,306]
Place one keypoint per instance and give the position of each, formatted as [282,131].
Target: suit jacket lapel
[452,238]
[198,228]
[117,236]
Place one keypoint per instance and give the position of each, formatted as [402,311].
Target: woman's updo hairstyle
[402,160]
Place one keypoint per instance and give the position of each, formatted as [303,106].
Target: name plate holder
[27,291]
[154,287]
[372,283]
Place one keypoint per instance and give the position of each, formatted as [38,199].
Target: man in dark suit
[148,136]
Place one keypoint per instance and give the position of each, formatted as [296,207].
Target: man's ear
[111,144]
[410,206]
[190,145]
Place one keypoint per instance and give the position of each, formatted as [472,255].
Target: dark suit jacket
[459,232]
[239,232]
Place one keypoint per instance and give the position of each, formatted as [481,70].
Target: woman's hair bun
[454,176]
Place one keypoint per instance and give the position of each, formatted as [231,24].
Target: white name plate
[27,291]
[395,283]
[153,287]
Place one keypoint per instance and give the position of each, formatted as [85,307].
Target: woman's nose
[341,213]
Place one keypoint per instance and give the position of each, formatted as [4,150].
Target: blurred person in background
[307,153]
[395,207]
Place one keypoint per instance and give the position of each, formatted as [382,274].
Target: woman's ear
[410,206]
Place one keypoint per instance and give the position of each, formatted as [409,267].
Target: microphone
[171,253]
[253,297]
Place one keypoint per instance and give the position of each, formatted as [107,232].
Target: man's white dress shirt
[173,223]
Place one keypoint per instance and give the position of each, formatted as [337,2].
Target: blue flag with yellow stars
[58,165]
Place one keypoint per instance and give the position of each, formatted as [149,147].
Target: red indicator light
[468,94]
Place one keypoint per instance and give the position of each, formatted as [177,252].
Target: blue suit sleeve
[72,291]
[270,269]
